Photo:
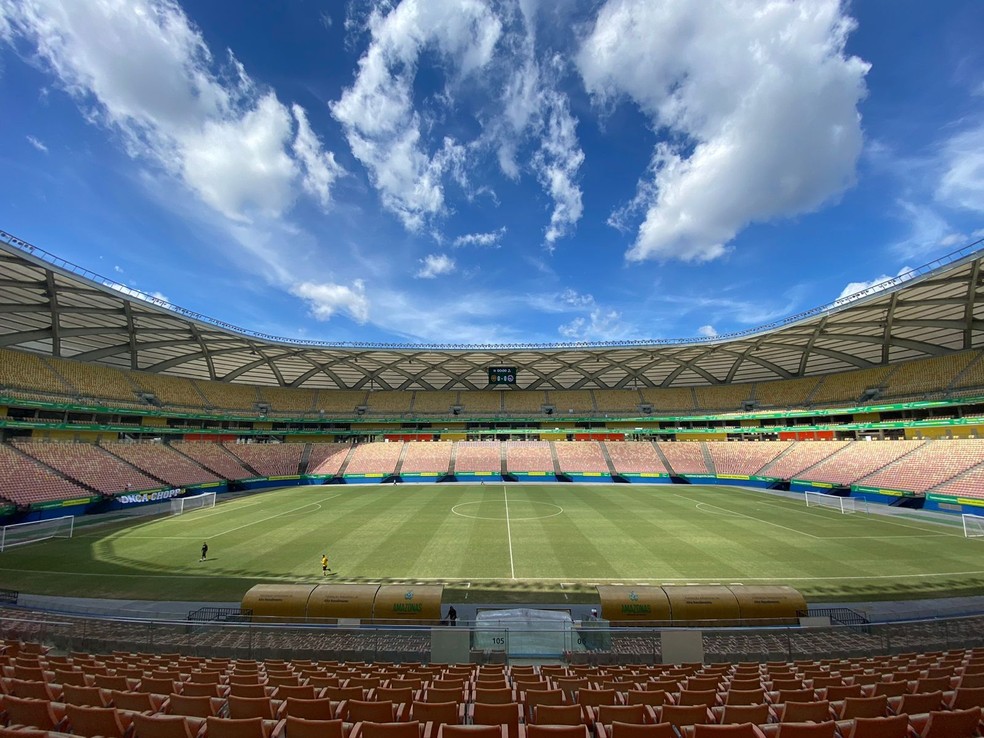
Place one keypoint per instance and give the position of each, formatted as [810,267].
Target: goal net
[181,505]
[18,534]
[844,505]
[973,526]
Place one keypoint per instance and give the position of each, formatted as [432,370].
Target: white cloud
[118,269]
[962,182]
[857,290]
[36,143]
[491,239]
[929,231]
[599,324]
[759,101]
[142,69]
[556,164]
[320,168]
[708,331]
[434,265]
[377,112]
[573,298]
[325,300]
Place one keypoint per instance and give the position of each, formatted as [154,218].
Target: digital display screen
[502,375]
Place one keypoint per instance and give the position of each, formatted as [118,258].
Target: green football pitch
[507,543]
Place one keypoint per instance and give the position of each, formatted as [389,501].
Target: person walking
[324,565]
[204,550]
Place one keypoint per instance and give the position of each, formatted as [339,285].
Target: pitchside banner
[136,498]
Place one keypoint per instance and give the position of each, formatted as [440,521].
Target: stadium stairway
[196,462]
[454,458]
[345,462]
[556,461]
[503,467]
[242,462]
[708,459]
[69,387]
[971,367]
[774,460]
[399,462]
[899,460]
[305,458]
[608,460]
[666,462]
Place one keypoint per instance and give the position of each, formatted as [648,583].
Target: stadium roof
[55,308]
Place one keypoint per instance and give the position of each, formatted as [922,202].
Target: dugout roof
[55,308]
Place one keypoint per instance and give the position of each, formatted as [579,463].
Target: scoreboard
[502,375]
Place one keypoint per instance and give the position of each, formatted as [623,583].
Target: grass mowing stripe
[512,563]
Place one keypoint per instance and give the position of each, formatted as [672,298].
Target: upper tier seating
[972,377]
[388,402]
[927,378]
[90,465]
[726,397]
[478,402]
[573,401]
[214,456]
[170,391]
[524,402]
[226,396]
[340,402]
[288,400]
[97,381]
[744,457]
[787,393]
[162,462]
[846,388]
[374,458]
[617,401]
[685,457]
[29,375]
[427,456]
[926,467]
[478,456]
[434,403]
[269,459]
[669,400]
[529,456]
[801,456]
[635,457]
[580,456]
[327,458]
[23,481]
[858,460]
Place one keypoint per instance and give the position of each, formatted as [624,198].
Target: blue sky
[501,171]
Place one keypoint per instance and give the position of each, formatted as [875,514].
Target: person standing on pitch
[324,565]
[204,550]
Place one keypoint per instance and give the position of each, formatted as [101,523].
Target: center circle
[559,510]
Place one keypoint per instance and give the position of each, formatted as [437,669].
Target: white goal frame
[19,534]
[973,525]
[181,505]
[844,505]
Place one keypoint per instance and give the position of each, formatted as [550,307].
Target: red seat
[948,724]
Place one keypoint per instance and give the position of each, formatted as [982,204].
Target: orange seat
[321,708]
[739,730]
[632,730]
[86,696]
[252,707]
[949,724]
[34,713]
[303,728]
[164,726]
[507,714]
[137,701]
[896,726]
[437,713]
[374,712]
[240,727]
[557,715]
[826,729]
[735,714]
[471,731]
[557,731]
[200,707]
[107,722]
[683,715]
[409,729]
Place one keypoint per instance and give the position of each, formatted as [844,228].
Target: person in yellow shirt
[324,565]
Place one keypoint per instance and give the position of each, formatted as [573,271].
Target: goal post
[19,534]
[843,505]
[973,525]
[180,505]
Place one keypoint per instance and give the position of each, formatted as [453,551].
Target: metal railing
[591,643]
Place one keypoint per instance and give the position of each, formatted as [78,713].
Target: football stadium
[833,458]
[341,392]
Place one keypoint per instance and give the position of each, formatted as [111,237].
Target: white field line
[512,565]
[271,517]
[568,580]
[750,517]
